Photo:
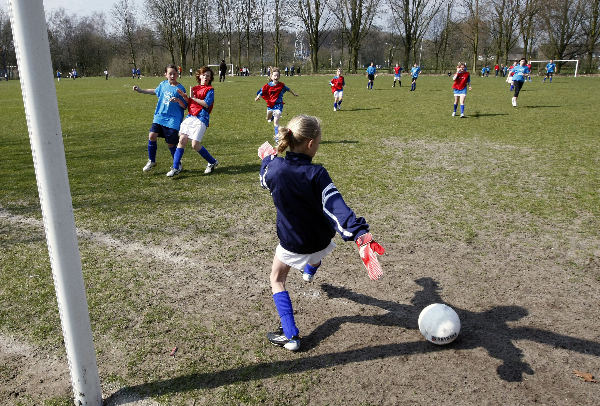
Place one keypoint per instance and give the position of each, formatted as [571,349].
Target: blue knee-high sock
[276,128]
[462,109]
[311,270]
[283,304]
[335,105]
[177,157]
[152,147]
[172,150]
[550,80]
[206,155]
[455,106]
[339,103]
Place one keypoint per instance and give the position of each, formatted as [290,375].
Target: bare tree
[164,15]
[503,27]
[7,50]
[356,18]
[561,20]
[315,21]
[124,22]
[225,18]
[590,25]
[473,24]
[528,18]
[261,8]
[441,26]
[412,19]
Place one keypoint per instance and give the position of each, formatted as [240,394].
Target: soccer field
[497,215]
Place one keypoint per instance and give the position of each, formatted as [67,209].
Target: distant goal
[567,66]
[215,69]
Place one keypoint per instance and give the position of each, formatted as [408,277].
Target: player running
[414,73]
[371,72]
[200,105]
[520,73]
[337,88]
[310,210]
[167,115]
[397,75]
[550,69]
[273,93]
[462,80]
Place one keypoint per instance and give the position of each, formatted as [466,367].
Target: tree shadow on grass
[487,329]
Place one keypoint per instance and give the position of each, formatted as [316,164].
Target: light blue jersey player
[520,73]
[167,115]
[414,72]
[371,72]
[550,69]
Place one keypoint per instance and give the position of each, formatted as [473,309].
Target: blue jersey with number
[371,70]
[415,71]
[519,73]
[167,113]
[550,68]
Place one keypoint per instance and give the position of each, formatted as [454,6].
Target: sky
[84,7]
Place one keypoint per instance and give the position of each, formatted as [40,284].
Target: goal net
[215,69]
[563,66]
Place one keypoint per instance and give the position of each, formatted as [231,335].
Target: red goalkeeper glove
[368,250]
[266,149]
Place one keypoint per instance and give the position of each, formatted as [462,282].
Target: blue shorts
[170,135]
[396,77]
[459,92]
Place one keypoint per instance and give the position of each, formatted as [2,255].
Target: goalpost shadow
[488,329]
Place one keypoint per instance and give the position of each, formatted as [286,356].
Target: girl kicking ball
[310,210]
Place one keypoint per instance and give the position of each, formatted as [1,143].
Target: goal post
[559,60]
[215,68]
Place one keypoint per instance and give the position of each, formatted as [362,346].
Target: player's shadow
[488,329]
[478,115]
[361,109]
[541,107]
[219,171]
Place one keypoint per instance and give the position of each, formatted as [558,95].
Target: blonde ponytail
[299,130]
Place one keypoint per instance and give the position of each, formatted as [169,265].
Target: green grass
[394,155]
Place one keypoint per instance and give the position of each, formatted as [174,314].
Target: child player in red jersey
[200,105]
[273,93]
[461,80]
[397,75]
[337,88]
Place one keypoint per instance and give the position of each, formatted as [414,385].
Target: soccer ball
[439,323]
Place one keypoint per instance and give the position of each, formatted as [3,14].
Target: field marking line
[130,248]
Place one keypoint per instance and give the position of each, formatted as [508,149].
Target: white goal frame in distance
[216,69]
[563,60]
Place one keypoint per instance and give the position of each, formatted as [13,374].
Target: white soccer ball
[439,323]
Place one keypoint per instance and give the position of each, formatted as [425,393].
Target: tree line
[316,34]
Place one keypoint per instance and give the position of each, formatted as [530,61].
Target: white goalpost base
[561,60]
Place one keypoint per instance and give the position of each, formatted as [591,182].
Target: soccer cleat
[173,172]
[279,339]
[334,108]
[269,120]
[453,113]
[514,103]
[462,115]
[149,166]
[211,167]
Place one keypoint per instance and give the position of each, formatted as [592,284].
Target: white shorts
[338,94]
[276,112]
[299,260]
[193,127]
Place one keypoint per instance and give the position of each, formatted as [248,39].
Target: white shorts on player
[299,260]
[193,127]
[274,113]
[338,94]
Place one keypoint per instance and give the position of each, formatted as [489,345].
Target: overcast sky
[83,7]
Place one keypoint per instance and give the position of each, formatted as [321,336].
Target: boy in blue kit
[371,72]
[167,115]
[200,105]
[310,210]
[520,73]
[414,72]
[273,93]
[550,68]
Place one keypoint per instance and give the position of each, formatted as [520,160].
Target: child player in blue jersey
[273,93]
[414,73]
[397,75]
[462,80]
[167,115]
[520,73]
[310,210]
[550,68]
[200,105]
[337,88]
[371,72]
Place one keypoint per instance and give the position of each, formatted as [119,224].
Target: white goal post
[561,60]
[215,68]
